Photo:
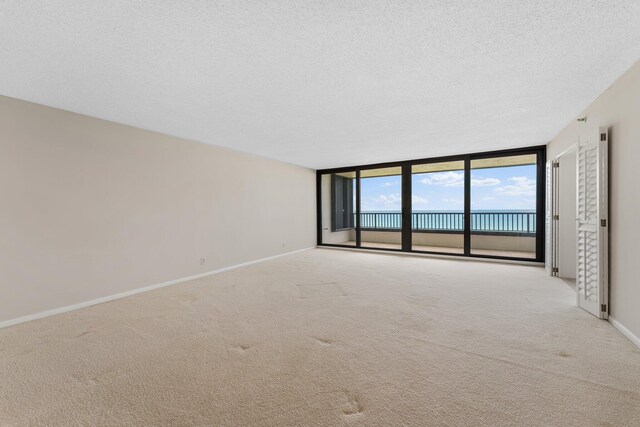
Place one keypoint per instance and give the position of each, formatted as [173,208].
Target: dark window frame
[541,154]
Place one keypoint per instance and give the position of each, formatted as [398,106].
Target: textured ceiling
[323,83]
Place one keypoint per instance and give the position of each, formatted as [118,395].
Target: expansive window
[479,205]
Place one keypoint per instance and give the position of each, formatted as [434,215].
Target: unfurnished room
[319,213]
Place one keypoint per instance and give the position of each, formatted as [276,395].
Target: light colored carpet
[328,337]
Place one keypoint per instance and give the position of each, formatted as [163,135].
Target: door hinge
[556,217]
[603,308]
[603,136]
[555,270]
[556,164]
[603,223]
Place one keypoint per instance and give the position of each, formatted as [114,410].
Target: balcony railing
[498,222]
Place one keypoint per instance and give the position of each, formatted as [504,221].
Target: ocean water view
[482,220]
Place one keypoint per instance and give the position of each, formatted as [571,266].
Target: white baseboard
[627,333]
[85,304]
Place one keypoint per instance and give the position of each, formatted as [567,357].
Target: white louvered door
[592,225]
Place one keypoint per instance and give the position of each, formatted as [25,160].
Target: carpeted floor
[328,337]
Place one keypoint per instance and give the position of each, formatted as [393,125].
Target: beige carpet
[328,337]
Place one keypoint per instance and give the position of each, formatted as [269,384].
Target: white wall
[619,109]
[91,208]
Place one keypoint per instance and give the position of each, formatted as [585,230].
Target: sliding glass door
[504,206]
[479,205]
[437,207]
[338,214]
[381,208]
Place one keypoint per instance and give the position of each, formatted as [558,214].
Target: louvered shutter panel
[592,226]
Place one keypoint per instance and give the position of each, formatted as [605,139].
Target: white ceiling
[323,83]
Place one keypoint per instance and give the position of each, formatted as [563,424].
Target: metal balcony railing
[497,222]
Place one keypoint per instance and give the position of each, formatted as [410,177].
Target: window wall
[478,205]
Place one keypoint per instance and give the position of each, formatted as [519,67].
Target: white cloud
[445,179]
[484,182]
[456,179]
[383,202]
[453,201]
[418,201]
[522,186]
[391,184]
[488,199]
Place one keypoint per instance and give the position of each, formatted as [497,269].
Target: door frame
[553,197]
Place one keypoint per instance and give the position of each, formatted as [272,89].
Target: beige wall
[91,208]
[619,109]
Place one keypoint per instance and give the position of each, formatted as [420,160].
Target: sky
[504,188]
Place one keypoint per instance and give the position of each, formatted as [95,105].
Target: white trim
[627,333]
[125,294]
[439,256]
[565,152]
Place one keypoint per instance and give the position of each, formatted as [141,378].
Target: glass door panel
[437,207]
[381,208]
[503,206]
[338,208]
